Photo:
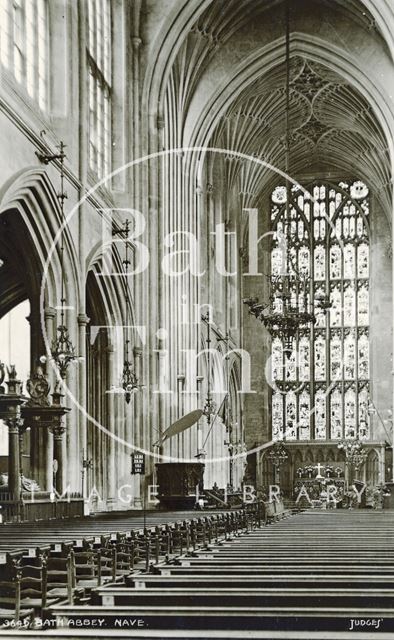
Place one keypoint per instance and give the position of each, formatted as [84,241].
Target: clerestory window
[24,45]
[99,60]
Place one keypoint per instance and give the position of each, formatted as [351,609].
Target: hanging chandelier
[209,408]
[62,348]
[129,381]
[289,308]
[129,378]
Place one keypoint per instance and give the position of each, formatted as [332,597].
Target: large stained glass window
[320,391]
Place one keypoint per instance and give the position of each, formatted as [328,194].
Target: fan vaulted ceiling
[334,131]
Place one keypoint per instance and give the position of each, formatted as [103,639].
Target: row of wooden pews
[73,558]
[328,572]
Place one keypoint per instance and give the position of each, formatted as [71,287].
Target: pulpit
[179,483]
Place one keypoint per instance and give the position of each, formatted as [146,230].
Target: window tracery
[24,45]
[322,388]
[99,59]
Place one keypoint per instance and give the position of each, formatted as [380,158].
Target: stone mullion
[339,329]
[342,325]
[327,319]
[297,338]
[312,335]
[356,335]
[35,64]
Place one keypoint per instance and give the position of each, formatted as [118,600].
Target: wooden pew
[305,572]
[70,569]
[11,595]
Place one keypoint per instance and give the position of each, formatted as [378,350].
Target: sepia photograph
[196,319]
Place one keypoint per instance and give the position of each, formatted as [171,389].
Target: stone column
[82,397]
[50,315]
[111,425]
[22,430]
[58,429]
[14,485]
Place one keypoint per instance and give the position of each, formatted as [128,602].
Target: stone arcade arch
[30,216]
[109,448]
